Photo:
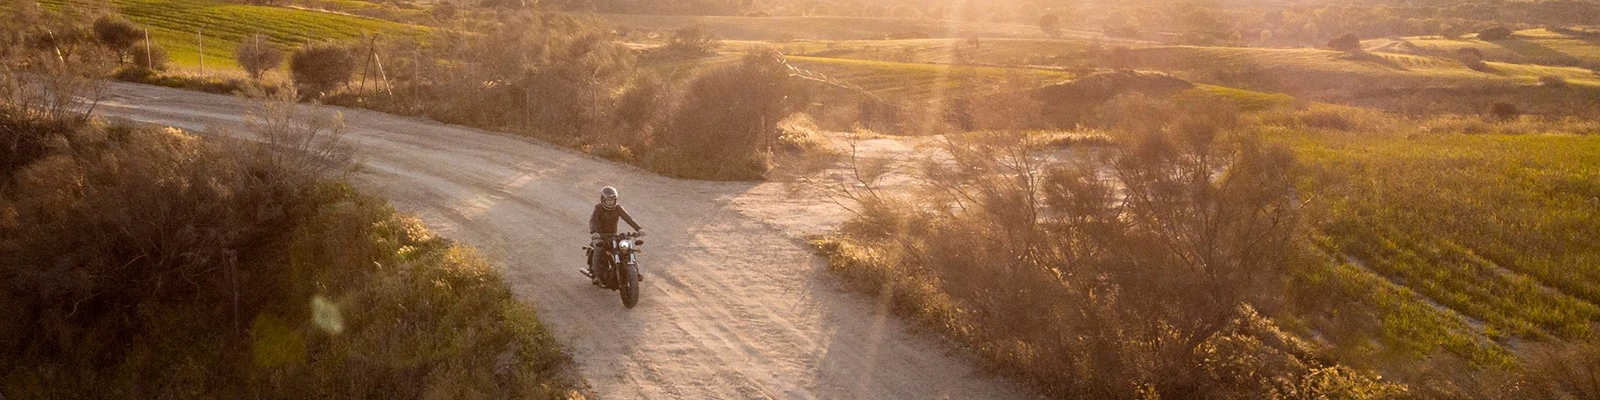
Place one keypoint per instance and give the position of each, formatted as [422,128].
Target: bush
[1504,111]
[117,34]
[1495,33]
[150,56]
[256,55]
[1347,43]
[320,68]
[727,120]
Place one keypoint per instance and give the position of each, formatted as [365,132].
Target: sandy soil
[735,304]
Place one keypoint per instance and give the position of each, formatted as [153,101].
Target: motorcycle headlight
[624,244]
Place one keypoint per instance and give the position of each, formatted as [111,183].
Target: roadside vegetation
[1311,249]
[144,262]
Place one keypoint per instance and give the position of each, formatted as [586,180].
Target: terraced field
[1494,231]
[173,24]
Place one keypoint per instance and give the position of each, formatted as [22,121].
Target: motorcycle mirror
[638,243]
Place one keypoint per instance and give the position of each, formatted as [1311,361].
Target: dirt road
[734,304]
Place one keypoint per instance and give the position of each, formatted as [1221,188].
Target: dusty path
[733,307]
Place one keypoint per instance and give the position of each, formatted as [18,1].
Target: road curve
[733,305]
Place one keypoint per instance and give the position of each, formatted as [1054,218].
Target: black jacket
[605,221]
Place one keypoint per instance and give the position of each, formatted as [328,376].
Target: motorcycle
[619,268]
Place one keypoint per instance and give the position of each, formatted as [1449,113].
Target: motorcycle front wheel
[629,285]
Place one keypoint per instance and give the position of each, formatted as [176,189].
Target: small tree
[116,34]
[1495,33]
[257,56]
[1051,24]
[322,67]
[150,56]
[728,117]
[1348,43]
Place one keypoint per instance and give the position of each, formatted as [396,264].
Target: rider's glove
[640,232]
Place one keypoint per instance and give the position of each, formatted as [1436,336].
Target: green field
[1498,229]
[176,24]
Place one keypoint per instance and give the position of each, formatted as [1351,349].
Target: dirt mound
[1070,103]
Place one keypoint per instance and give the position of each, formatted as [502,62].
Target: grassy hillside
[173,25]
[1499,228]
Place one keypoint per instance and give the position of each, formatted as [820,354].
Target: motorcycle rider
[603,223]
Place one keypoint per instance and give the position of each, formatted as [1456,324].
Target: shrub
[117,34]
[256,55]
[727,119]
[321,68]
[1347,43]
[1504,111]
[150,56]
[1495,33]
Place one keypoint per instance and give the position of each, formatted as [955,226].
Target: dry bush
[256,55]
[1560,370]
[305,148]
[51,80]
[150,56]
